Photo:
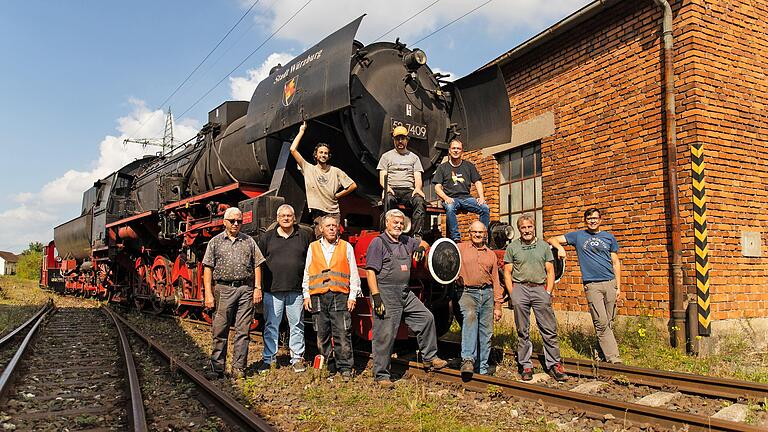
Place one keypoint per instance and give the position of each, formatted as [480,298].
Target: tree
[28,266]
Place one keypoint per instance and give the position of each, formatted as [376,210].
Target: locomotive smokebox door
[444,261]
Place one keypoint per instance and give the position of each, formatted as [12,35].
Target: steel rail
[232,409]
[5,339]
[725,388]
[137,401]
[10,368]
[595,405]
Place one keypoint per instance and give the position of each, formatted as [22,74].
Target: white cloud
[322,18]
[241,88]
[59,200]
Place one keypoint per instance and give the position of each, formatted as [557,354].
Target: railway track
[75,369]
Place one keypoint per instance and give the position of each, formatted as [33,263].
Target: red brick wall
[723,61]
[603,81]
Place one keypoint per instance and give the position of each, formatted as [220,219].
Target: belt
[234,283]
[476,287]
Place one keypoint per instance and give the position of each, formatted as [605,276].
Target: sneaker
[299,366]
[263,368]
[527,374]
[617,361]
[558,372]
[238,373]
[385,383]
[467,367]
[346,376]
[435,363]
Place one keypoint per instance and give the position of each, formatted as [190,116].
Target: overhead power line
[452,22]
[246,58]
[162,104]
[409,18]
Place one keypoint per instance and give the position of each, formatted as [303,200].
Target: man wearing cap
[324,184]
[480,298]
[529,276]
[231,261]
[400,173]
[284,249]
[388,270]
[453,180]
[331,285]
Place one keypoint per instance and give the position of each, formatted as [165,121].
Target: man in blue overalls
[388,269]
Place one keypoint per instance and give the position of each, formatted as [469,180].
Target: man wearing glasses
[480,298]
[285,248]
[598,253]
[231,260]
[453,180]
[400,171]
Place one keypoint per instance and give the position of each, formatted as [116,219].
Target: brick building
[588,111]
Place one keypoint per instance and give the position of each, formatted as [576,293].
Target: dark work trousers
[234,306]
[524,297]
[415,203]
[401,303]
[331,318]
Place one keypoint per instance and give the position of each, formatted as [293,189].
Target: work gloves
[418,254]
[378,305]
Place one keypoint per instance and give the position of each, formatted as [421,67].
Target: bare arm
[382,178]
[207,279]
[417,184]
[557,242]
[370,277]
[295,145]
[508,278]
[480,193]
[257,293]
[616,271]
[441,193]
[550,267]
[348,190]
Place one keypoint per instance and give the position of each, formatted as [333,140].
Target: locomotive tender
[143,230]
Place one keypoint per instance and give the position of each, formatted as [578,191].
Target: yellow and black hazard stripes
[700,240]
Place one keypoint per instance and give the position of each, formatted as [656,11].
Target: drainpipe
[678,291]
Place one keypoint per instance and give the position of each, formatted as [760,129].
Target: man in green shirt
[529,276]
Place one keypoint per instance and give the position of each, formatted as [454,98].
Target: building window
[520,186]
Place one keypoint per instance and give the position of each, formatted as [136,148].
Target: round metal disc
[444,261]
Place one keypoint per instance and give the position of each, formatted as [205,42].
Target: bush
[28,266]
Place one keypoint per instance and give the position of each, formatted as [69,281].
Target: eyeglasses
[593,218]
[234,221]
[285,216]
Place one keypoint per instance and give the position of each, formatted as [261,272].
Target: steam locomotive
[143,229]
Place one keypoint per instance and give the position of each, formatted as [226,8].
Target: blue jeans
[469,204]
[476,306]
[274,304]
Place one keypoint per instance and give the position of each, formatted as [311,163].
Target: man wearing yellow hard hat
[400,174]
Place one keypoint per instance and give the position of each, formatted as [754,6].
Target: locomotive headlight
[415,59]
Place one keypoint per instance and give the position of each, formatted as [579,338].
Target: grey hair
[394,213]
[323,219]
[230,212]
[285,207]
[528,217]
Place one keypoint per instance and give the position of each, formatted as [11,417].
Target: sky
[78,77]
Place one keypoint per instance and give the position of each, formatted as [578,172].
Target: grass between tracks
[642,344]
[19,300]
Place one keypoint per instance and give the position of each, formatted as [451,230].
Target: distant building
[8,263]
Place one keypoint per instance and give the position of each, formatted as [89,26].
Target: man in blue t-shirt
[601,275]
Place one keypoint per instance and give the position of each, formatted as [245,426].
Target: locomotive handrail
[5,339]
[10,368]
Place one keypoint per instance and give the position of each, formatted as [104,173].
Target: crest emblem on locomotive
[289,91]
